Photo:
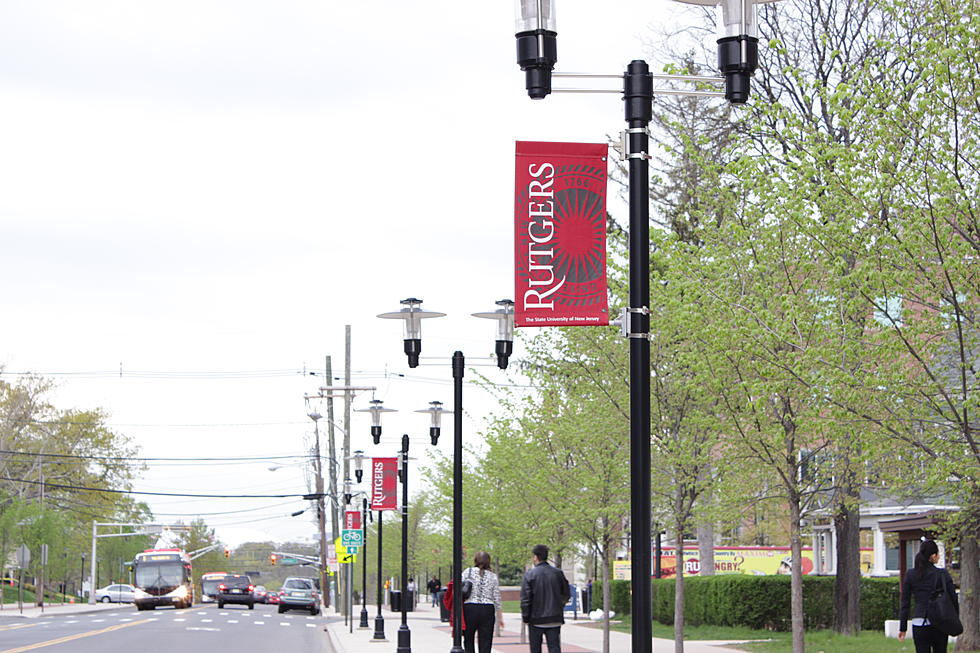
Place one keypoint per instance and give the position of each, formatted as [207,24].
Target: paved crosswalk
[209,620]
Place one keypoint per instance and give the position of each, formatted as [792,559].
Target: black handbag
[467,589]
[941,612]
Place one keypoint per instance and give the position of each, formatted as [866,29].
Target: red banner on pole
[560,235]
[352,520]
[384,484]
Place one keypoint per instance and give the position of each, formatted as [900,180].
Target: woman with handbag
[481,603]
[935,598]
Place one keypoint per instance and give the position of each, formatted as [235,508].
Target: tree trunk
[969,591]
[606,597]
[679,588]
[847,584]
[706,549]
[796,579]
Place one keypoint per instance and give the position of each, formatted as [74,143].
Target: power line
[158,494]
[140,459]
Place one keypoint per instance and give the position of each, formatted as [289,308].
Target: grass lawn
[820,641]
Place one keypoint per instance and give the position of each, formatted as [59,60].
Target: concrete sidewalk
[429,634]
[59,609]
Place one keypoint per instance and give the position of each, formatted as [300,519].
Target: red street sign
[352,520]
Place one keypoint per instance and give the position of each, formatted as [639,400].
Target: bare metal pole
[332,452]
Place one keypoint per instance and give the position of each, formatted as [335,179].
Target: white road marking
[199,628]
[97,621]
[206,621]
[202,612]
[223,614]
[259,623]
[283,623]
[311,625]
[73,621]
[180,619]
[123,620]
[233,621]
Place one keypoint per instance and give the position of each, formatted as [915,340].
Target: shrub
[620,598]
[763,602]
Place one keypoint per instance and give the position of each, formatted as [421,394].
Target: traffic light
[227,552]
[273,558]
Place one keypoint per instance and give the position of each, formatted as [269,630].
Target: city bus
[163,577]
[209,585]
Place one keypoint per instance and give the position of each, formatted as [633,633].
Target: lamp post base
[404,640]
[379,630]
[364,620]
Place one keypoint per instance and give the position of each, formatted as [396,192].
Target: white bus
[163,577]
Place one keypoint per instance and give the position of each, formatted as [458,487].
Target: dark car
[299,594]
[236,588]
[260,594]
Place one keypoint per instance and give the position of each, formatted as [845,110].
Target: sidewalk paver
[428,633]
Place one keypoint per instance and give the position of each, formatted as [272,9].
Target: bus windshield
[159,574]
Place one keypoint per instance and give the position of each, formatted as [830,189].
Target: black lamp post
[364,613]
[379,620]
[504,346]
[404,642]
[738,59]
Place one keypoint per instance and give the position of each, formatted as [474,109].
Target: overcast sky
[202,193]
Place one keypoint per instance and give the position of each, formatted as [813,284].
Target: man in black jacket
[544,593]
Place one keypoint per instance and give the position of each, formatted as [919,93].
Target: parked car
[299,594]
[115,594]
[236,588]
[260,594]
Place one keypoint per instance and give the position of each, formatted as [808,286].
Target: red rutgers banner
[384,484]
[560,235]
[352,520]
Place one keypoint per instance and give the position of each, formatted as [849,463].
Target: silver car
[115,594]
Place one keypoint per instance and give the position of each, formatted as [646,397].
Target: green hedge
[758,601]
[619,596]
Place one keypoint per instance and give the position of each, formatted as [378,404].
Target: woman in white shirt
[482,605]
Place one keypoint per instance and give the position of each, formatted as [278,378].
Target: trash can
[395,600]
[443,610]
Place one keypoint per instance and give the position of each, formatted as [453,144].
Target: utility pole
[347,402]
[334,517]
[321,516]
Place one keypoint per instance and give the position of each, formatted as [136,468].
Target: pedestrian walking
[921,582]
[483,605]
[544,593]
[433,586]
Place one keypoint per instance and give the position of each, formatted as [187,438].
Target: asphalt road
[201,629]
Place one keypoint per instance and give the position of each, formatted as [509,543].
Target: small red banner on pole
[352,520]
[384,484]
[560,235]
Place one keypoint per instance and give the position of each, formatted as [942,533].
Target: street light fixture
[738,59]
[537,50]
[376,409]
[358,458]
[436,410]
[738,43]
[505,338]
[505,330]
[347,492]
[412,316]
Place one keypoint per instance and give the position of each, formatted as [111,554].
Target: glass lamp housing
[533,15]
